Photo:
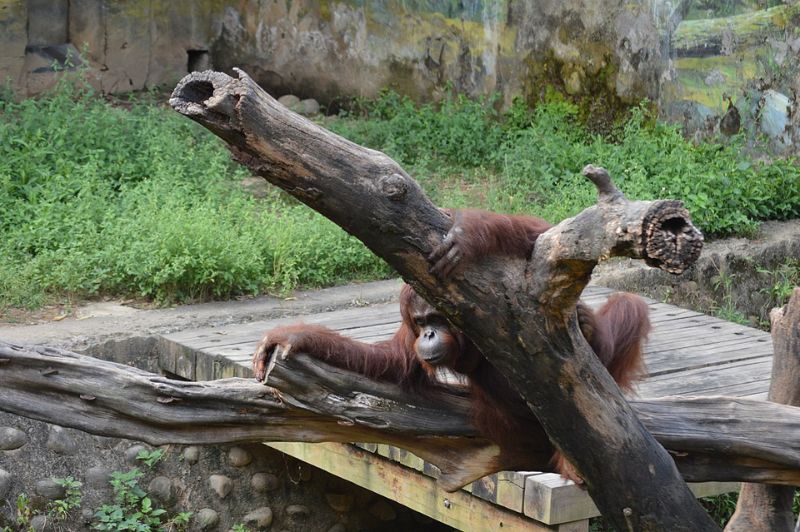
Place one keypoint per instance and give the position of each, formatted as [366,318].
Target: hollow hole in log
[673,225]
[197,91]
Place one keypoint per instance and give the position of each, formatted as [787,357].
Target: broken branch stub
[669,240]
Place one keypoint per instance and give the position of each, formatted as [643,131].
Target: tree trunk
[769,508]
[520,314]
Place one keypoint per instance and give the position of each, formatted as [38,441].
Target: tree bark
[769,508]
[520,314]
[712,438]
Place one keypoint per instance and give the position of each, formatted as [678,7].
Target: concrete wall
[689,57]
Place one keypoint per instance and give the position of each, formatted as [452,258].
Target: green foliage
[24,510]
[531,161]
[137,201]
[723,285]
[720,507]
[150,458]
[783,279]
[459,130]
[60,509]
[239,527]
[141,202]
[133,509]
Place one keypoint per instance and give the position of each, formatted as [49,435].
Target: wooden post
[764,508]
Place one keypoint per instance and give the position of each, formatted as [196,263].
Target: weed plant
[527,161]
[97,199]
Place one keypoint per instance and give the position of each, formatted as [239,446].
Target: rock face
[605,55]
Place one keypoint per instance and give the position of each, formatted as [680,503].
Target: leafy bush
[531,160]
[99,199]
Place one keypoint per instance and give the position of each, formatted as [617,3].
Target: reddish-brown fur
[389,361]
[616,333]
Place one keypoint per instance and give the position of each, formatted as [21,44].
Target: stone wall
[695,59]
[249,484]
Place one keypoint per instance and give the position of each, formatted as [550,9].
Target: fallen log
[711,438]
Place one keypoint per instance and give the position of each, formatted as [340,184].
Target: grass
[101,200]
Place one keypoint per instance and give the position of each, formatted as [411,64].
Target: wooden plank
[506,488]
[677,364]
[702,381]
[683,360]
[407,487]
[680,324]
[552,500]
[699,344]
[343,318]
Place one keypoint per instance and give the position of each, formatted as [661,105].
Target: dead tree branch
[520,314]
[711,438]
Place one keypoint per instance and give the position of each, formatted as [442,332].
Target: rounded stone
[39,523]
[11,438]
[340,502]
[5,483]
[87,514]
[49,489]
[288,100]
[132,452]
[308,107]
[206,519]
[260,517]
[239,457]
[338,527]
[383,511]
[161,489]
[221,485]
[61,442]
[191,454]
[262,482]
[297,510]
[98,477]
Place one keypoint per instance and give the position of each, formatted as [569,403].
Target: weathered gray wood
[520,314]
[710,438]
[77,391]
[769,508]
[710,380]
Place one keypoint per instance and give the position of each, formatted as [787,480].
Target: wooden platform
[688,354]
